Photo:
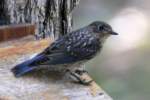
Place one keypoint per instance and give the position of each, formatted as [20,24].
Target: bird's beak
[113,33]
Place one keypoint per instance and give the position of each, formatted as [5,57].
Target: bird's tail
[26,66]
[20,70]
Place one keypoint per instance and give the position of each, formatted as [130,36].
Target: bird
[70,51]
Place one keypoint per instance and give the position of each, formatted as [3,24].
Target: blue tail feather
[26,66]
[21,70]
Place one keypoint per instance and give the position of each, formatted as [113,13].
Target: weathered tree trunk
[52,17]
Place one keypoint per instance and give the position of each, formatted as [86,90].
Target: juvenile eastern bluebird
[70,51]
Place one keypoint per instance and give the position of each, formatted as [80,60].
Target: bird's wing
[69,49]
[52,55]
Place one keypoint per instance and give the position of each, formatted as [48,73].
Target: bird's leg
[81,70]
[78,77]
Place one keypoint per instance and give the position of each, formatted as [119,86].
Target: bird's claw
[80,80]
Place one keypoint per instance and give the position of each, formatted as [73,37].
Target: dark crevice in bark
[63,17]
[3,13]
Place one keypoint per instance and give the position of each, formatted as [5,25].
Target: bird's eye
[101,28]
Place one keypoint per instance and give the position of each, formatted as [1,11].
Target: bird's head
[102,29]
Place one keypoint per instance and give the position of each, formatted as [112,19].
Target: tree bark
[52,17]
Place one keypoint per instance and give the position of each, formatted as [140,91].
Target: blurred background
[122,69]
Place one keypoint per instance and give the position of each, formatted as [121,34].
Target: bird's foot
[80,79]
[85,82]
